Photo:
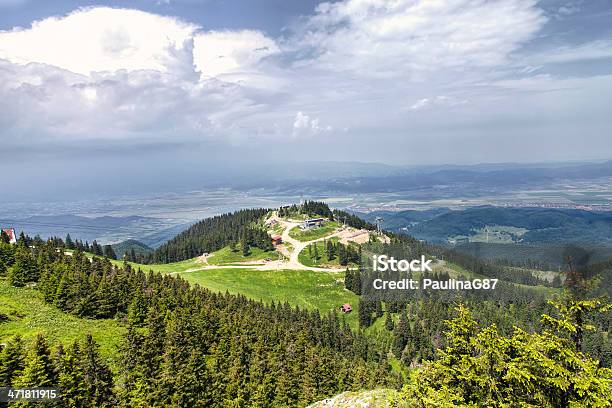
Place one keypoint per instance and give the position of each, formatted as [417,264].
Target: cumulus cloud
[304,125]
[104,73]
[117,75]
[100,39]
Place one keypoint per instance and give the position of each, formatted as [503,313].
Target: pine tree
[378,309]
[356,282]
[97,376]
[70,376]
[526,369]
[330,250]
[348,279]
[38,370]
[23,241]
[193,382]
[68,242]
[342,254]
[7,257]
[246,249]
[109,252]
[137,311]
[401,334]
[96,249]
[309,381]
[24,269]
[389,325]
[11,360]
[261,380]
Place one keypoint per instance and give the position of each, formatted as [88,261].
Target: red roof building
[346,308]
[11,234]
[277,240]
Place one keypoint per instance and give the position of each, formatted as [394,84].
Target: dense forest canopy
[185,346]
[212,234]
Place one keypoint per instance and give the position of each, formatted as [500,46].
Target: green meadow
[307,289]
[28,315]
[227,256]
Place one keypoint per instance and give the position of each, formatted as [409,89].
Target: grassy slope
[306,289]
[315,233]
[175,267]
[220,257]
[307,260]
[29,315]
[322,262]
[227,256]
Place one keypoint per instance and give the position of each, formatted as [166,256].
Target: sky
[148,92]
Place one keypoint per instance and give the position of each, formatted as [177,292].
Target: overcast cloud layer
[398,81]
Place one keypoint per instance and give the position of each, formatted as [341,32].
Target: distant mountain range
[444,181]
[526,225]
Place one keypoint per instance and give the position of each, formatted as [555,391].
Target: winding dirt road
[293,261]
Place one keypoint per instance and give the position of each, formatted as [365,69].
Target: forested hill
[214,233]
[541,225]
[185,346]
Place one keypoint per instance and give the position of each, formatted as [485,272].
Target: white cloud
[100,39]
[225,52]
[303,125]
[401,37]
[395,69]
[105,73]
[570,8]
[577,52]
[437,101]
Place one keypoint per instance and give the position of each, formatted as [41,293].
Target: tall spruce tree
[109,252]
[70,379]
[68,242]
[38,370]
[25,268]
[98,378]
[12,360]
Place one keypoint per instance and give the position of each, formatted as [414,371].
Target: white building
[11,234]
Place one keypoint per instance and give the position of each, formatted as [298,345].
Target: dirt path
[292,262]
[298,246]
